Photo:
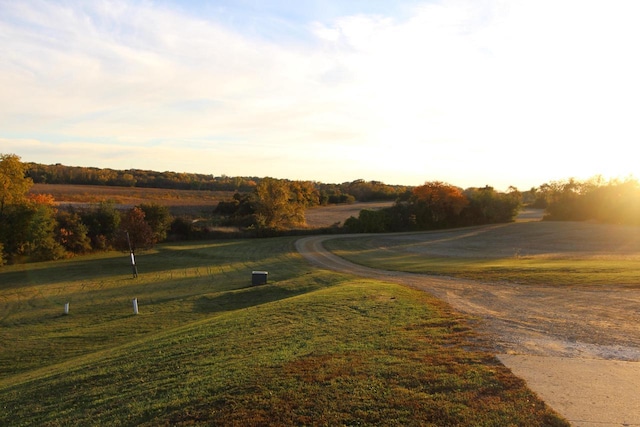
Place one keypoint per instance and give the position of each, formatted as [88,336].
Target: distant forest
[359,190]
[34,228]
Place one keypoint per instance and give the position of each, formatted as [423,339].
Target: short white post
[66,308]
[135,306]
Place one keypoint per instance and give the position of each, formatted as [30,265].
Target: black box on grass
[259,277]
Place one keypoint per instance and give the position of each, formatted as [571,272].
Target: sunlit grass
[174,283]
[311,347]
[482,261]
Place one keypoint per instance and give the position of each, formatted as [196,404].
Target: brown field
[184,201]
[326,216]
[178,201]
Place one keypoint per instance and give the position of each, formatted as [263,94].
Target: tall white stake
[133,257]
[135,306]
[66,308]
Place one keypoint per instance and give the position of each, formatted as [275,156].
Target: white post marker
[66,308]
[133,258]
[135,306]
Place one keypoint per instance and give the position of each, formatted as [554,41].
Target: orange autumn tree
[437,204]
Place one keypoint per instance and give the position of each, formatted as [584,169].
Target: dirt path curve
[578,348]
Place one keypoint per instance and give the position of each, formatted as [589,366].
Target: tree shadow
[114,266]
[249,297]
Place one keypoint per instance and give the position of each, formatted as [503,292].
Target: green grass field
[311,347]
[553,253]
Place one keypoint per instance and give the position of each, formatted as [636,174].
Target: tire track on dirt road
[578,348]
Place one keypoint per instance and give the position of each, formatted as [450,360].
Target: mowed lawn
[311,347]
[538,253]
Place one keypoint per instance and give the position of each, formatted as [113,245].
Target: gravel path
[578,348]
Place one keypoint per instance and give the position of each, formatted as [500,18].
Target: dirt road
[578,348]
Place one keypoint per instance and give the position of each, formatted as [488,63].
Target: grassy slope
[310,347]
[557,253]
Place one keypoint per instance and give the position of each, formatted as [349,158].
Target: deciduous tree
[277,206]
[437,204]
[102,224]
[29,230]
[72,233]
[488,206]
[41,244]
[140,234]
[614,201]
[14,185]
[159,219]
[370,221]
[27,225]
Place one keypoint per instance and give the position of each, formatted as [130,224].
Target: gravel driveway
[578,348]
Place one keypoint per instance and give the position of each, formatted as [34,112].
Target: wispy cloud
[469,92]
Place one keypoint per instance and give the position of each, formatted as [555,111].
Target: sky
[468,92]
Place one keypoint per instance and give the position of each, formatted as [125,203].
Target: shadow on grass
[34,274]
[163,258]
[250,297]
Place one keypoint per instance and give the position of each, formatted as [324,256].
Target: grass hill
[311,347]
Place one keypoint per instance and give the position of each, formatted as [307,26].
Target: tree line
[437,205]
[278,205]
[78,175]
[614,201]
[33,228]
[358,190]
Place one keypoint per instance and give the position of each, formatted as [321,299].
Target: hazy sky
[473,93]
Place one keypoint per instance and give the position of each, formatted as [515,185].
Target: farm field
[185,201]
[178,201]
[326,216]
[311,347]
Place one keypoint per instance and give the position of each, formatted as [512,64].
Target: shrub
[369,221]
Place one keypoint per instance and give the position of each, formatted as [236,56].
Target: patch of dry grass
[326,216]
